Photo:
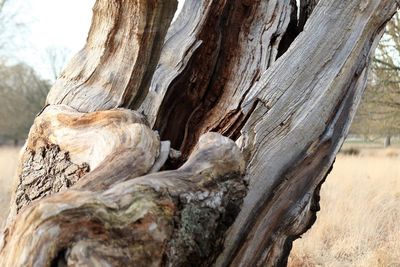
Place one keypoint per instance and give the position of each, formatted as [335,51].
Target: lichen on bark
[202,220]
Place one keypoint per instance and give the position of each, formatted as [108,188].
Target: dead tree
[257,96]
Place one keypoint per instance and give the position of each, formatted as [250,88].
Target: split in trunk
[101,184]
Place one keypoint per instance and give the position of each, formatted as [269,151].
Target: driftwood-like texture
[199,89]
[298,125]
[278,83]
[64,144]
[157,219]
[117,63]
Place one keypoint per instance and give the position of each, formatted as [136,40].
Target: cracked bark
[100,184]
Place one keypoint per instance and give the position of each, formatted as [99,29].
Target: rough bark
[299,124]
[156,219]
[91,190]
[199,90]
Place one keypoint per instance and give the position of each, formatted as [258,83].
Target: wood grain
[122,50]
[304,105]
[279,86]
[155,219]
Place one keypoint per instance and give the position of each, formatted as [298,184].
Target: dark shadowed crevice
[231,27]
[305,10]
[60,259]
[292,31]
[198,99]
[180,103]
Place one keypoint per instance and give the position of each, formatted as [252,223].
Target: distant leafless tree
[2,2]
[11,28]
[22,95]
[379,113]
[57,57]
[22,91]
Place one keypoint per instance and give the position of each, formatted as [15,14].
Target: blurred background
[37,37]
[358,224]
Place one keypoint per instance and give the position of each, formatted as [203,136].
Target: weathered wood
[171,218]
[245,69]
[113,69]
[82,142]
[305,10]
[91,137]
[298,124]
[46,171]
[122,50]
[197,86]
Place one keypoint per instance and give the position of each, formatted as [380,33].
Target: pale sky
[50,23]
[60,22]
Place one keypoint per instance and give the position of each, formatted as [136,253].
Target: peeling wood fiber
[242,104]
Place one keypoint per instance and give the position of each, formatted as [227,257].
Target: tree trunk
[240,114]
[387,142]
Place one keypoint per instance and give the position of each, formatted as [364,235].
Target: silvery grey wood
[100,184]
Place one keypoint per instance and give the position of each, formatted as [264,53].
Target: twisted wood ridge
[153,219]
[256,95]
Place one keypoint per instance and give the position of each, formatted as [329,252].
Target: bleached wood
[134,221]
[112,70]
[91,137]
[210,60]
[122,50]
[246,69]
[304,105]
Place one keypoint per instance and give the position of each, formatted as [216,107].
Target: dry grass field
[359,221]
[8,161]
[359,224]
